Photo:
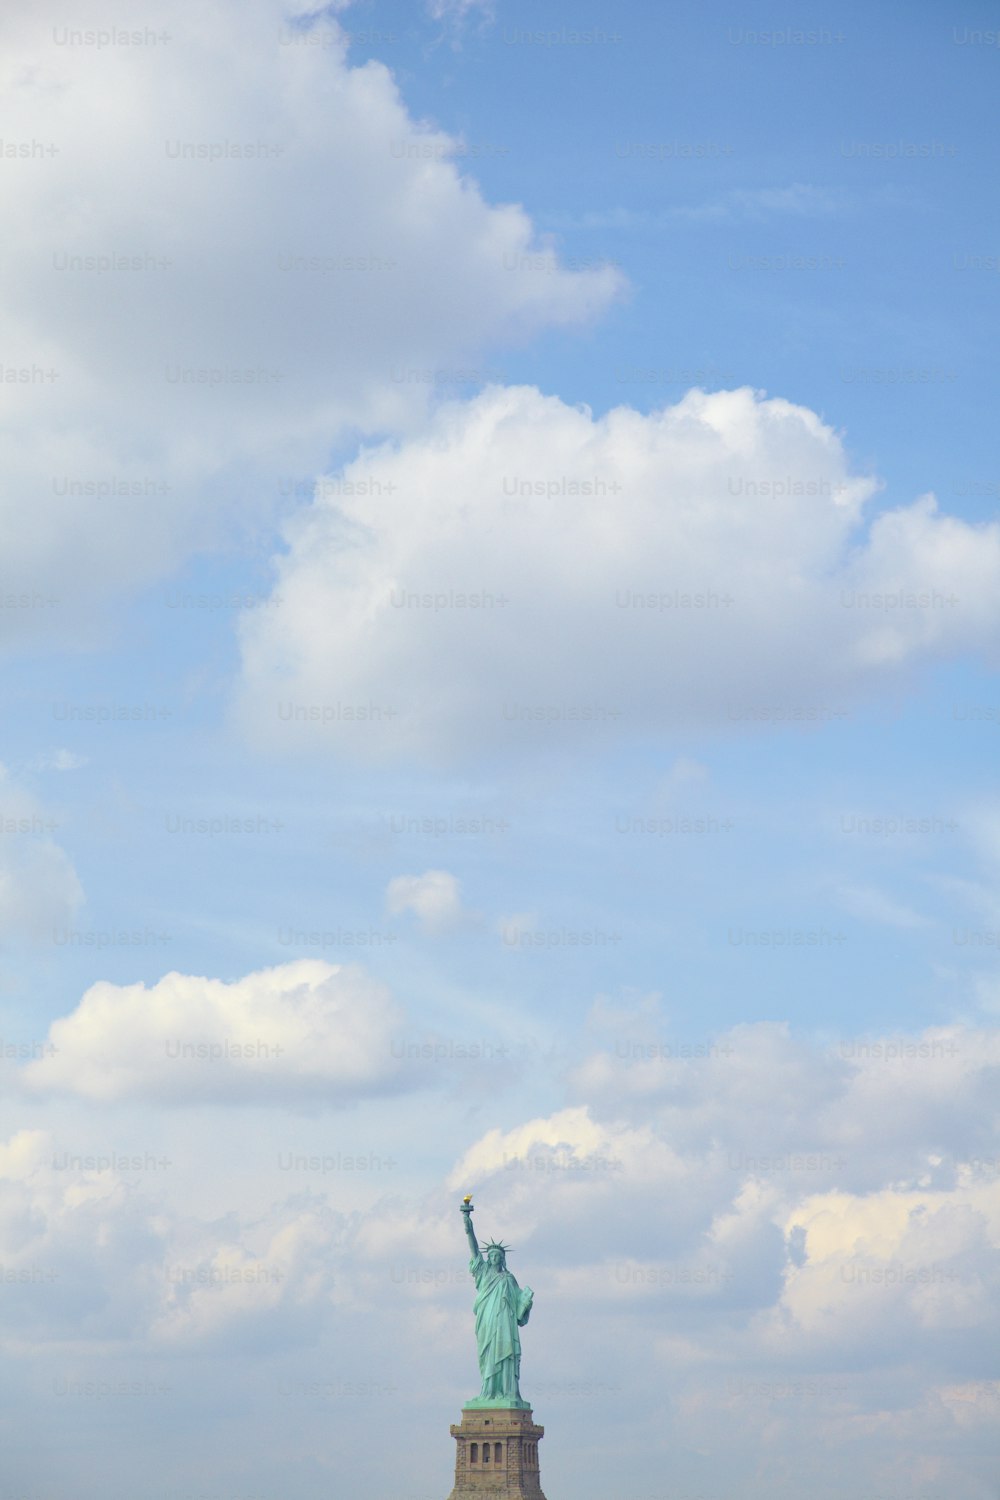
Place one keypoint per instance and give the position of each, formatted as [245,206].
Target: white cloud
[267,1279]
[524,574]
[685,771]
[980,821]
[571,1131]
[39,888]
[81,1241]
[846,1225]
[433,896]
[678,1250]
[873,905]
[257,320]
[59,760]
[512,927]
[302,1030]
[459,10]
[800,200]
[107,1265]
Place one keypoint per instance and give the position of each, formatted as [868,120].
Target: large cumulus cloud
[525,574]
[222,198]
[300,1030]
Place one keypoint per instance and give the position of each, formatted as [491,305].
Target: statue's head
[496,1255]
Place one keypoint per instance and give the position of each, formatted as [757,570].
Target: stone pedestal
[497,1456]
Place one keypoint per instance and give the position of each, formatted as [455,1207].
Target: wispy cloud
[873,905]
[799,200]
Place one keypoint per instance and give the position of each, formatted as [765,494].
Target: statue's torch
[467,1204]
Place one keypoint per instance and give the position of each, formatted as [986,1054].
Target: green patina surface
[501,1308]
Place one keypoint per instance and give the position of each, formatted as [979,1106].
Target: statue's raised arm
[474,1249]
[501,1308]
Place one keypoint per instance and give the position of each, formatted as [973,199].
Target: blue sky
[500,621]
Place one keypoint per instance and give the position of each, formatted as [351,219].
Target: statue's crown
[496,1245]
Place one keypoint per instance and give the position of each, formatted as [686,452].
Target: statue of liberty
[501,1308]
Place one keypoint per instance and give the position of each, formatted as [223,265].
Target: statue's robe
[501,1307]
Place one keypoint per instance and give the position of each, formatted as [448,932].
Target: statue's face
[495,1258]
